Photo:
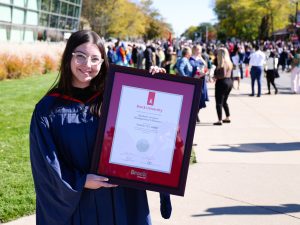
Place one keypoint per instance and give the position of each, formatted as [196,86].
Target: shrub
[14,67]
[50,64]
[36,58]
[3,71]
[32,65]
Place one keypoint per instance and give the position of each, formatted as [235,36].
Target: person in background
[247,60]
[241,52]
[148,57]
[161,56]
[168,59]
[257,61]
[134,55]
[283,58]
[111,54]
[271,69]
[236,72]
[140,57]
[123,55]
[199,71]
[295,73]
[183,66]
[223,85]
[63,131]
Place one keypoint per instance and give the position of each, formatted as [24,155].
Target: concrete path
[248,171]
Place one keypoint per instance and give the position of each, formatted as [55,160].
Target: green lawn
[17,100]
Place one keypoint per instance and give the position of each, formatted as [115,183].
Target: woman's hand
[155,69]
[94,182]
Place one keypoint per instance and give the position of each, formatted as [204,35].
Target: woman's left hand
[155,69]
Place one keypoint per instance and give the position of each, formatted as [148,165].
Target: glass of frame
[146,129]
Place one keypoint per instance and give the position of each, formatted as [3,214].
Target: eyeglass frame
[87,58]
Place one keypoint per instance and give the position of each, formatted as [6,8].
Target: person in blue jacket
[183,65]
[62,136]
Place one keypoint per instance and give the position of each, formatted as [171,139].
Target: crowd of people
[202,60]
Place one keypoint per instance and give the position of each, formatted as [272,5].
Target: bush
[14,67]
[3,71]
[50,64]
[30,59]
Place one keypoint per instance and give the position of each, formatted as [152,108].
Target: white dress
[236,70]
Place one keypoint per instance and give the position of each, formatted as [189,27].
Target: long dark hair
[64,79]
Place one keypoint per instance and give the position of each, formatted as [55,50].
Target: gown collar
[79,95]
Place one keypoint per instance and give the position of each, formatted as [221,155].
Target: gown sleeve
[165,205]
[58,188]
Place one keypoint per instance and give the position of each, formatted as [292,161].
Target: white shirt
[235,59]
[271,62]
[257,58]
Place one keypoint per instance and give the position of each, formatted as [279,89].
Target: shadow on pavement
[252,210]
[257,147]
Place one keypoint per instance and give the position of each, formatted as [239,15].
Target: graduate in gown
[62,135]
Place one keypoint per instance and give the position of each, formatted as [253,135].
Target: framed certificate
[146,129]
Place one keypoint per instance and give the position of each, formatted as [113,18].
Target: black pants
[222,90]
[271,80]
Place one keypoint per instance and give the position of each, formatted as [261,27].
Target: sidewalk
[247,171]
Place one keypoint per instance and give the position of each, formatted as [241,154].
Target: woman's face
[85,64]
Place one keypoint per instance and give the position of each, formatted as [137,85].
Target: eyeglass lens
[83,59]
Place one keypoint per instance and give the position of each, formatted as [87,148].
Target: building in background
[30,20]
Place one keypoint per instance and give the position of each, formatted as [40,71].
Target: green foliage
[195,32]
[125,19]
[18,98]
[193,158]
[251,19]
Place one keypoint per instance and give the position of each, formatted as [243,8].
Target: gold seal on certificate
[142,145]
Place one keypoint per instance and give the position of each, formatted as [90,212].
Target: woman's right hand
[95,181]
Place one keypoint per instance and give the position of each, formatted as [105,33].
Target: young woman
[62,135]
[223,84]
[236,71]
[271,70]
[199,71]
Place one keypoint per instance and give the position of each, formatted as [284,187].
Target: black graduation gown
[62,136]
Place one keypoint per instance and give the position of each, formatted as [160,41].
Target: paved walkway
[247,171]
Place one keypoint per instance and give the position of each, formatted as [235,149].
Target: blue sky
[182,14]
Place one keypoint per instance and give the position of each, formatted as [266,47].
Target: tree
[199,32]
[251,19]
[124,19]
[156,27]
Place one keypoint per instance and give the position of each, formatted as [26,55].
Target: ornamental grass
[23,59]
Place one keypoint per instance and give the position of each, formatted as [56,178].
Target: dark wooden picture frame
[173,182]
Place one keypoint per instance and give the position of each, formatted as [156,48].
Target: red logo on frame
[151,97]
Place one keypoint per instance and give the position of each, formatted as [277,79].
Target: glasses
[82,59]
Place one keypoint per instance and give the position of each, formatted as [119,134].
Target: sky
[182,14]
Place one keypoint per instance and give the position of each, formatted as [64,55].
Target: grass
[193,158]
[18,98]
